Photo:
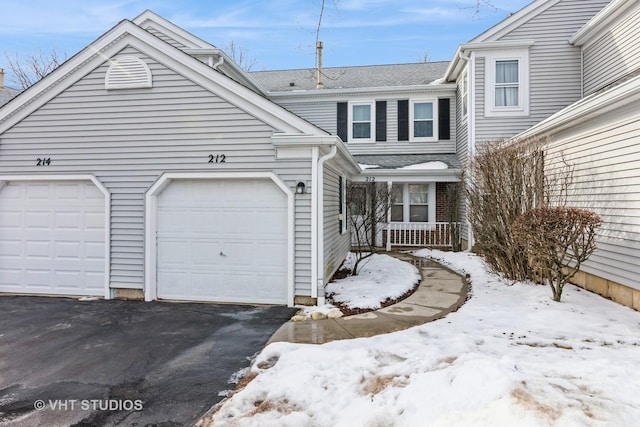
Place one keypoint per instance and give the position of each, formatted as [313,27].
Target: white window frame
[464,93]
[406,202]
[434,103]
[372,136]
[490,108]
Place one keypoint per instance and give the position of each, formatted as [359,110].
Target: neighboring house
[150,165]
[567,70]
[6,93]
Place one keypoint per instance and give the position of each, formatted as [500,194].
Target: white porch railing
[420,234]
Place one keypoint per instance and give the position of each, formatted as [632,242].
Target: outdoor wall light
[300,188]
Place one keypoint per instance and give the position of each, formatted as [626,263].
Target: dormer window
[507,83]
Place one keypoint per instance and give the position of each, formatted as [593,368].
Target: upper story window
[361,128]
[464,93]
[507,84]
[423,120]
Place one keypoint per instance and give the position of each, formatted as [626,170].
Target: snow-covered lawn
[381,277]
[509,357]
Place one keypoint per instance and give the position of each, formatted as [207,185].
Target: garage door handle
[222,253]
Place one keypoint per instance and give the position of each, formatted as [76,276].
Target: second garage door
[222,240]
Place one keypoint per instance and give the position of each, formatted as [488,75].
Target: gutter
[318,198]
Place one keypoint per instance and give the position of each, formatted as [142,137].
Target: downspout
[471,123]
[314,220]
[319,225]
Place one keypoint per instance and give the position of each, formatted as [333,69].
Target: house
[398,121]
[565,72]
[150,165]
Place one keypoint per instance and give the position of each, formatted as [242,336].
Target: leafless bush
[504,181]
[556,240]
[29,69]
[368,207]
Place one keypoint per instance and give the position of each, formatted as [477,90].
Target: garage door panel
[217,238]
[53,238]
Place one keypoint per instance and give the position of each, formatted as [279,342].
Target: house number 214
[218,158]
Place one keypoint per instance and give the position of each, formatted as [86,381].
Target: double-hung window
[423,120]
[361,128]
[412,202]
[507,83]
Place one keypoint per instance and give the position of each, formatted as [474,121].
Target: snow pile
[509,357]
[381,277]
[436,165]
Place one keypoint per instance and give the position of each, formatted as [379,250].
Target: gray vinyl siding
[336,245]
[555,74]
[614,54]
[606,158]
[462,149]
[128,138]
[323,113]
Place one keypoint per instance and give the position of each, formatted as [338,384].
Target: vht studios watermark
[89,405]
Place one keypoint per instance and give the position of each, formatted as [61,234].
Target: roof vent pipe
[1,78]
[320,85]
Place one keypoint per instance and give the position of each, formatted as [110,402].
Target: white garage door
[52,238]
[222,240]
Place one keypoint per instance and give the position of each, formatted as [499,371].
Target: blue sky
[276,34]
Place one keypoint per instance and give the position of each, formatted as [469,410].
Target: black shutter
[381,120]
[444,119]
[403,120]
[343,121]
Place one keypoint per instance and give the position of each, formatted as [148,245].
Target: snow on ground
[509,357]
[381,277]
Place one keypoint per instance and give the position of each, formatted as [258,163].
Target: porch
[442,235]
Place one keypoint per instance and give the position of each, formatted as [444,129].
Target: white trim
[172,30]
[587,34]
[491,58]
[151,223]
[434,119]
[128,34]
[372,118]
[107,213]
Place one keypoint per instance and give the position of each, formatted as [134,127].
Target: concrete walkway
[440,292]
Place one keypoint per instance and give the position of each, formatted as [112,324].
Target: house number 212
[218,158]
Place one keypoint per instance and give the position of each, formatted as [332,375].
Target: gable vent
[128,72]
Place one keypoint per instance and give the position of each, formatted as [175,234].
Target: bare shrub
[506,179]
[368,207]
[503,183]
[556,241]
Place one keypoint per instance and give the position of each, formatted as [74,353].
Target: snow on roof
[437,165]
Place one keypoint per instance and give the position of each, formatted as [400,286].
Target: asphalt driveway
[69,362]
